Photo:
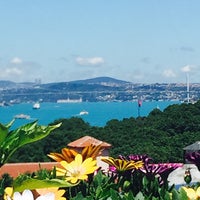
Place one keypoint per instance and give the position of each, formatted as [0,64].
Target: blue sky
[142,41]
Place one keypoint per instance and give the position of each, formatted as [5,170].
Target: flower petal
[48,196]
[27,195]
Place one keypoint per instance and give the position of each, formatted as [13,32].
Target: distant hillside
[106,81]
[101,80]
[95,90]
[12,85]
[95,84]
[99,83]
[4,84]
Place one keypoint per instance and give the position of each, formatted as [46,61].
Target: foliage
[10,141]
[169,131]
[132,177]
[5,181]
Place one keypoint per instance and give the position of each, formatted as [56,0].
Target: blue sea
[99,113]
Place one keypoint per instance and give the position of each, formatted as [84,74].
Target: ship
[22,116]
[84,112]
[68,100]
[36,105]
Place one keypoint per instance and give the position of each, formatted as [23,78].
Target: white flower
[48,196]
[27,195]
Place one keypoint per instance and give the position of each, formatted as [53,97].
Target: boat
[2,104]
[36,105]
[22,116]
[84,112]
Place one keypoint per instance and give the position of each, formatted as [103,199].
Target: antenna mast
[188,89]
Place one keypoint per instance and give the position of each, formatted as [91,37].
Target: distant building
[79,144]
[68,100]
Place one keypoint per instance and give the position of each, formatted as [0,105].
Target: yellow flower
[69,154]
[192,193]
[91,151]
[123,165]
[198,191]
[77,169]
[58,193]
[8,192]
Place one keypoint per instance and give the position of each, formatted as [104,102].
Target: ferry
[22,116]
[36,105]
[84,112]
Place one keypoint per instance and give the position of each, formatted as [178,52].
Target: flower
[70,154]
[194,157]
[122,165]
[91,151]
[192,193]
[37,194]
[151,170]
[8,193]
[77,169]
[27,195]
[145,158]
[161,170]
[58,193]
[67,155]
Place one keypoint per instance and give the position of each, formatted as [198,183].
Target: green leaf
[32,184]
[182,194]
[25,134]
[139,196]
[79,196]
[114,194]
[4,130]
[175,194]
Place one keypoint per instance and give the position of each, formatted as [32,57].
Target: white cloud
[186,68]
[16,60]
[169,73]
[13,71]
[19,71]
[90,61]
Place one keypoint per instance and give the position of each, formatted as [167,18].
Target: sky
[141,41]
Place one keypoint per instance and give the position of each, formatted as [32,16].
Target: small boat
[84,112]
[36,105]
[22,116]
[4,104]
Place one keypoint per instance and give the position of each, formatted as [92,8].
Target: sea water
[99,113]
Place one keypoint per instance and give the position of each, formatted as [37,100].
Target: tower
[188,88]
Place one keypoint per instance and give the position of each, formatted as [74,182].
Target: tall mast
[188,89]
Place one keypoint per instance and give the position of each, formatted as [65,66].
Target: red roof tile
[88,140]
[15,169]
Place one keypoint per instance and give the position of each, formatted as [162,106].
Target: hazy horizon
[136,41]
[102,77]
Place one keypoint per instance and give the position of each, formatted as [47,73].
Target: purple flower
[161,170]
[144,158]
[112,169]
[194,157]
[151,170]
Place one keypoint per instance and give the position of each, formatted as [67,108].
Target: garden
[133,177]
